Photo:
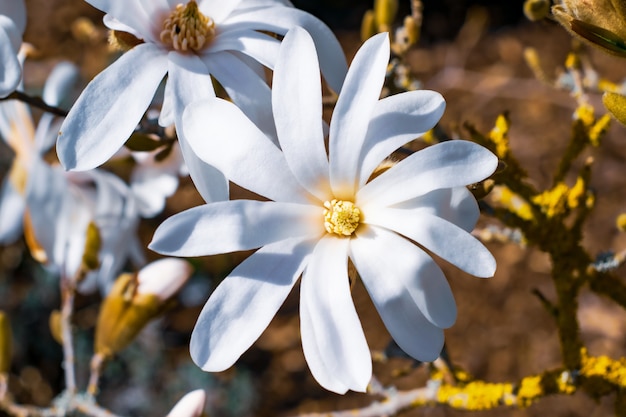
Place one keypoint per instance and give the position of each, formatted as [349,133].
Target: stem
[36,102]
[67,308]
[97,362]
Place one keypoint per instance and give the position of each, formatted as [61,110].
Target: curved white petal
[16,11]
[332,337]
[403,282]
[140,20]
[221,135]
[189,81]
[243,305]
[246,88]
[457,205]
[114,24]
[151,186]
[444,165]
[12,206]
[395,121]
[108,110]
[10,68]
[297,107]
[443,238]
[236,225]
[280,19]
[402,266]
[218,10]
[353,111]
[191,405]
[263,48]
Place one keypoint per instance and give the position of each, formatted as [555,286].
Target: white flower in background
[325,211]
[191,405]
[12,25]
[155,178]
[190,42]
[28,142]
[61,208]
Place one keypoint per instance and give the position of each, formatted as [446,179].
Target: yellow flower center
[187,28]
[341,217]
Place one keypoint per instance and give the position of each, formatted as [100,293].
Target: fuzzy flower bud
[191,405]
[385,12]
[134,300]
[599,22]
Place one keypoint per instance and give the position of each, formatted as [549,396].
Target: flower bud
[536,9]
[191,405]
[54,322]
[600,22]
[6,343]
[163,278]
[616,105]
[385,12]
[134,300]
[368,25]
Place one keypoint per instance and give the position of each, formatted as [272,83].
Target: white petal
[191,405]
[353,111]
[245,87]
[221,135]
[243,305]
[189,81]
[457,205]
[444,165]
[108,110]
[11,212]
[234,226]
[297,106]
[263,48]
[395,121]
[10,69]
[218,10]
[114,24]
[134,14]
[332,337]
[280,19]
[60,82]
[443,238]
[45,197]
[404,282]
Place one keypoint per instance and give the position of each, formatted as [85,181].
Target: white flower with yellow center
[326,210]
[12,25]
[190,41]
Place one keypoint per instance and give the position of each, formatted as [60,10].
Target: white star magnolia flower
[12,25]
[28,142]
[325,211]
[62,205]
[188,42]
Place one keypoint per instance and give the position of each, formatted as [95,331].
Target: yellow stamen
[187,28]
[341,217]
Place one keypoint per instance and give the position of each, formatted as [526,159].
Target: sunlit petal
[244,303]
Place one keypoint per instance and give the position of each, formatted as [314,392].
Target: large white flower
[325,210]
[12,25]
[188,42]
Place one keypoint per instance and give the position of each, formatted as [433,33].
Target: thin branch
[36,102]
